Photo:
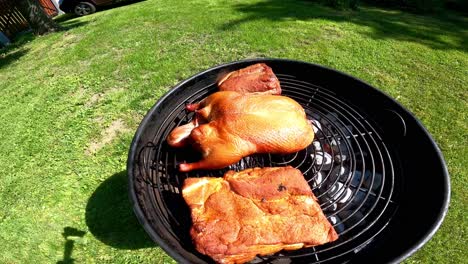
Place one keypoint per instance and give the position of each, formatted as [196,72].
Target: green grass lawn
[71,101]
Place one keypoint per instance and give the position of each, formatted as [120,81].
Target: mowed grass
[71,101]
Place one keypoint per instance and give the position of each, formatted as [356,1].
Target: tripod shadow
[68,233]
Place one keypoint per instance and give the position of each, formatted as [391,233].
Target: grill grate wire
[348,167]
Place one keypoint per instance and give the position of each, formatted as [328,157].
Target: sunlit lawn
[71,101]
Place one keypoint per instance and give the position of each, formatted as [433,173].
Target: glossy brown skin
[229,126]
[255,211]
[257,78]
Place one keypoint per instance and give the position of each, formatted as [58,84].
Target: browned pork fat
[255,211]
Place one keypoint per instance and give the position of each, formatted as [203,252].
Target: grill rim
[162,243]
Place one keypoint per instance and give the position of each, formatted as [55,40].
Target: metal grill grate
[348,166]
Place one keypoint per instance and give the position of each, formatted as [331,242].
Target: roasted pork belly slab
[257,211]
[257,78]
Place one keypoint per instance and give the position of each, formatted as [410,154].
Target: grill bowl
[379,176]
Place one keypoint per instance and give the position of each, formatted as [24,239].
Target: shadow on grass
[15,50]
[64,17]
[110,217]
[66,22]
[68,233]
[8,57]
[443,31]
[120,4]
[70,24]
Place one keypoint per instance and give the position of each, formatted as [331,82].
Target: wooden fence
[12,21]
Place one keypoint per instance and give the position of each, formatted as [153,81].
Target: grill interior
[349,167]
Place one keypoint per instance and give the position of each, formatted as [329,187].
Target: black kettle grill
[383,201]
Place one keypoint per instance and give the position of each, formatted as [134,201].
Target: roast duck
[231,124]
[255,211]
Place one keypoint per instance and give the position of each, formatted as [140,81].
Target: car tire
[84,8]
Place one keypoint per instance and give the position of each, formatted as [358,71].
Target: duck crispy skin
[229,126]
[257,211]
[257,78]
